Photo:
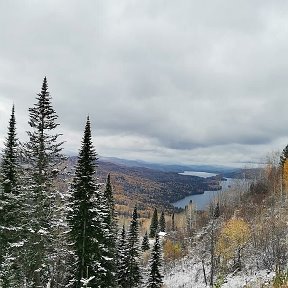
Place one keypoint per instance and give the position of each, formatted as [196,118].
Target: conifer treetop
[42,115]
[10,156]
[87,159]
[43,150]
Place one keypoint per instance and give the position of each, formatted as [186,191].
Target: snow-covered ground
[243,280]
[188,274]
[185,274]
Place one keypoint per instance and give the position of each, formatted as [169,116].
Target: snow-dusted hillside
[188,273]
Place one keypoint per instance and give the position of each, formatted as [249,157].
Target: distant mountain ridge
[177,168]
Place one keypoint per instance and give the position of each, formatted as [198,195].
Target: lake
[202,200]
[199,174]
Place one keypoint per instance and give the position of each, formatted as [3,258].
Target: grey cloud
[171,80]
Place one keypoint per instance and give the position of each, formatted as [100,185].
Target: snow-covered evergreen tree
[108,206]
[10,158]
[154,224]
[155,276]
[8,185]
[42,157]
[88,220]
[10,209]
[111,218]
[122,259]
[133,270]
[145,243]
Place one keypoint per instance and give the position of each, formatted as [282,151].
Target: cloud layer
[192,81]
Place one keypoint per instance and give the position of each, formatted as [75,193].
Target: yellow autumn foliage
[233,236]
[171,250]
[285,175]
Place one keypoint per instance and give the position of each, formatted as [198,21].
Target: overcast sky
[164,81]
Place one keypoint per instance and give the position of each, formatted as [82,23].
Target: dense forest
[70,222]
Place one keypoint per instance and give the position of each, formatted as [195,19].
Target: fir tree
[145,243]
[162,223]
[106,206]
[154,224]
[10,209]
[122,259]
[10,158]
[109,196]
[155,276]
[42,157]
[88,221]
[43,151]
[112,228]
[133,269]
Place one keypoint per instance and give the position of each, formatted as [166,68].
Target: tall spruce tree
[155,276]
[108,205]
[110,198]
[8,178]
[88,221]
[133,270]
[162,222]
[154,224]
[10,158]
[122,259]
[42,157]
[10,209]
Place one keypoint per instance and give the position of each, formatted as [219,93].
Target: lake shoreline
[202,199]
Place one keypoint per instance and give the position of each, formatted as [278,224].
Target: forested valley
[67,222]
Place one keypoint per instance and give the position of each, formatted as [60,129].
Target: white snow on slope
[188,274]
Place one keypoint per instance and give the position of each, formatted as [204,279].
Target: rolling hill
[147,187]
